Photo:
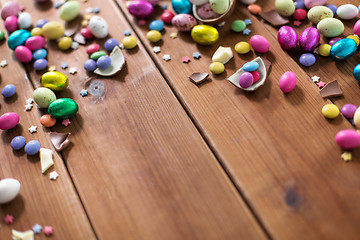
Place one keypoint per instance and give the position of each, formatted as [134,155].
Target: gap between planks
[196,125]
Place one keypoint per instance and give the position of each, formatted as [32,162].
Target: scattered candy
[129,42]
[274,18]
[309,39]
[84,92]
[74,45]
[347,11]
[343,49]
[185,59]
[9,189]
[204,34]
[18,142]
[246,80]
[157,25]
[307,59]
[64,65]
[117,62]
[33,129]
[196,55]
[222,54]
[315,79]
[39,54]
[153,36]
[54,80]
[3,63]
[198,78]
[9,120]
[32,147]
[238,26]
[47,121]
[90,65]
[318,13]
[156,49]
[97,54]
[92,48]
[330,27]
[73,70]
[346,156]
[53,176]
[250,66]
[287,37]
[63,108]
[166,57]
[324,50]
[330,111]
[110,44]
[348,110]
[37,229]
[127,32]
[287,82]
[60,140]
[28,107]
[320,84]
[246,31]
[348,139]
[259,43]
[98,27]
[9,90]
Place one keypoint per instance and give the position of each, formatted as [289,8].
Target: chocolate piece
[79,38]
[198,78]
[274,18]
[332,89]
[60,140]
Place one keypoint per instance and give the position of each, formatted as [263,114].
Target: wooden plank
[141,168]
[41,201]
[278,147]
[326,68]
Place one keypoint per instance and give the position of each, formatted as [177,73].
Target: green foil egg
[63,108]
[54,80]
[204,34]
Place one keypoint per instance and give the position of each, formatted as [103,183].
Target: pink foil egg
[357,28]
[334,40]
[35,43]
[10,9]
[184,22]
[23,54]
[309,39]
[11,23]
[140,9]
[348,138]
[9,120]
[287,37]
[287,82]
[259,43]
[312,3]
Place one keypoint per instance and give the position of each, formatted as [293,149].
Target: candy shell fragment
[222,54]
[27,235]
[46,159]
[117,62]
[60,140]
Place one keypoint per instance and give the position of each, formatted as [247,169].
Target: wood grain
[277,147]
[41,200]
[141,168]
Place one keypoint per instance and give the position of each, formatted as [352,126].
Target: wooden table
[154,156]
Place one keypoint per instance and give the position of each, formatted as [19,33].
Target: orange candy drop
[47,121]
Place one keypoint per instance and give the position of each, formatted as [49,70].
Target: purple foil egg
[309,39]
[287,37]
[140,9]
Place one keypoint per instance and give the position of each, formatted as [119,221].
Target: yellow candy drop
[330,111]
[242,47]
[129,42]
[324,50]
[36,31]
[65,43]
[355,38]
[153,36]
[217,67]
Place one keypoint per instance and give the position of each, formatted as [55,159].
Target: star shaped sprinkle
[29,101]
[246,31]
[37,228]
[315,79]
[52,68]
[3,63]
[166,57]
[185,59]
[88,10]
[9,219]
[64,65]
[121,46]
[75,45]
[84,92]
[66,122]
[73,70]
[156,49]
[48,230]
[320,84]
[173,35]
[127,32]
[346,156]
[316,51]
[53,176]
[196,55]
[28,107]
[297,23]
[33,129]
[248,21]
[221,24]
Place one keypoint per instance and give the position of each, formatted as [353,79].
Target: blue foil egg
[18,38]
[356,72]
[343,49]
[181,6]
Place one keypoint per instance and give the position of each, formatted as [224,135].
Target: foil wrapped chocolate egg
[356,72]
[140,9]
[287,37]
[181,6]
[343,49]
[309,39]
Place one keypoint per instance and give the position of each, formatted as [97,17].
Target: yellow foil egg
[54,80]
[355,38]
[324,50]
[204,34]
[53,30]
[65,43]
[36,31]
[129,42]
